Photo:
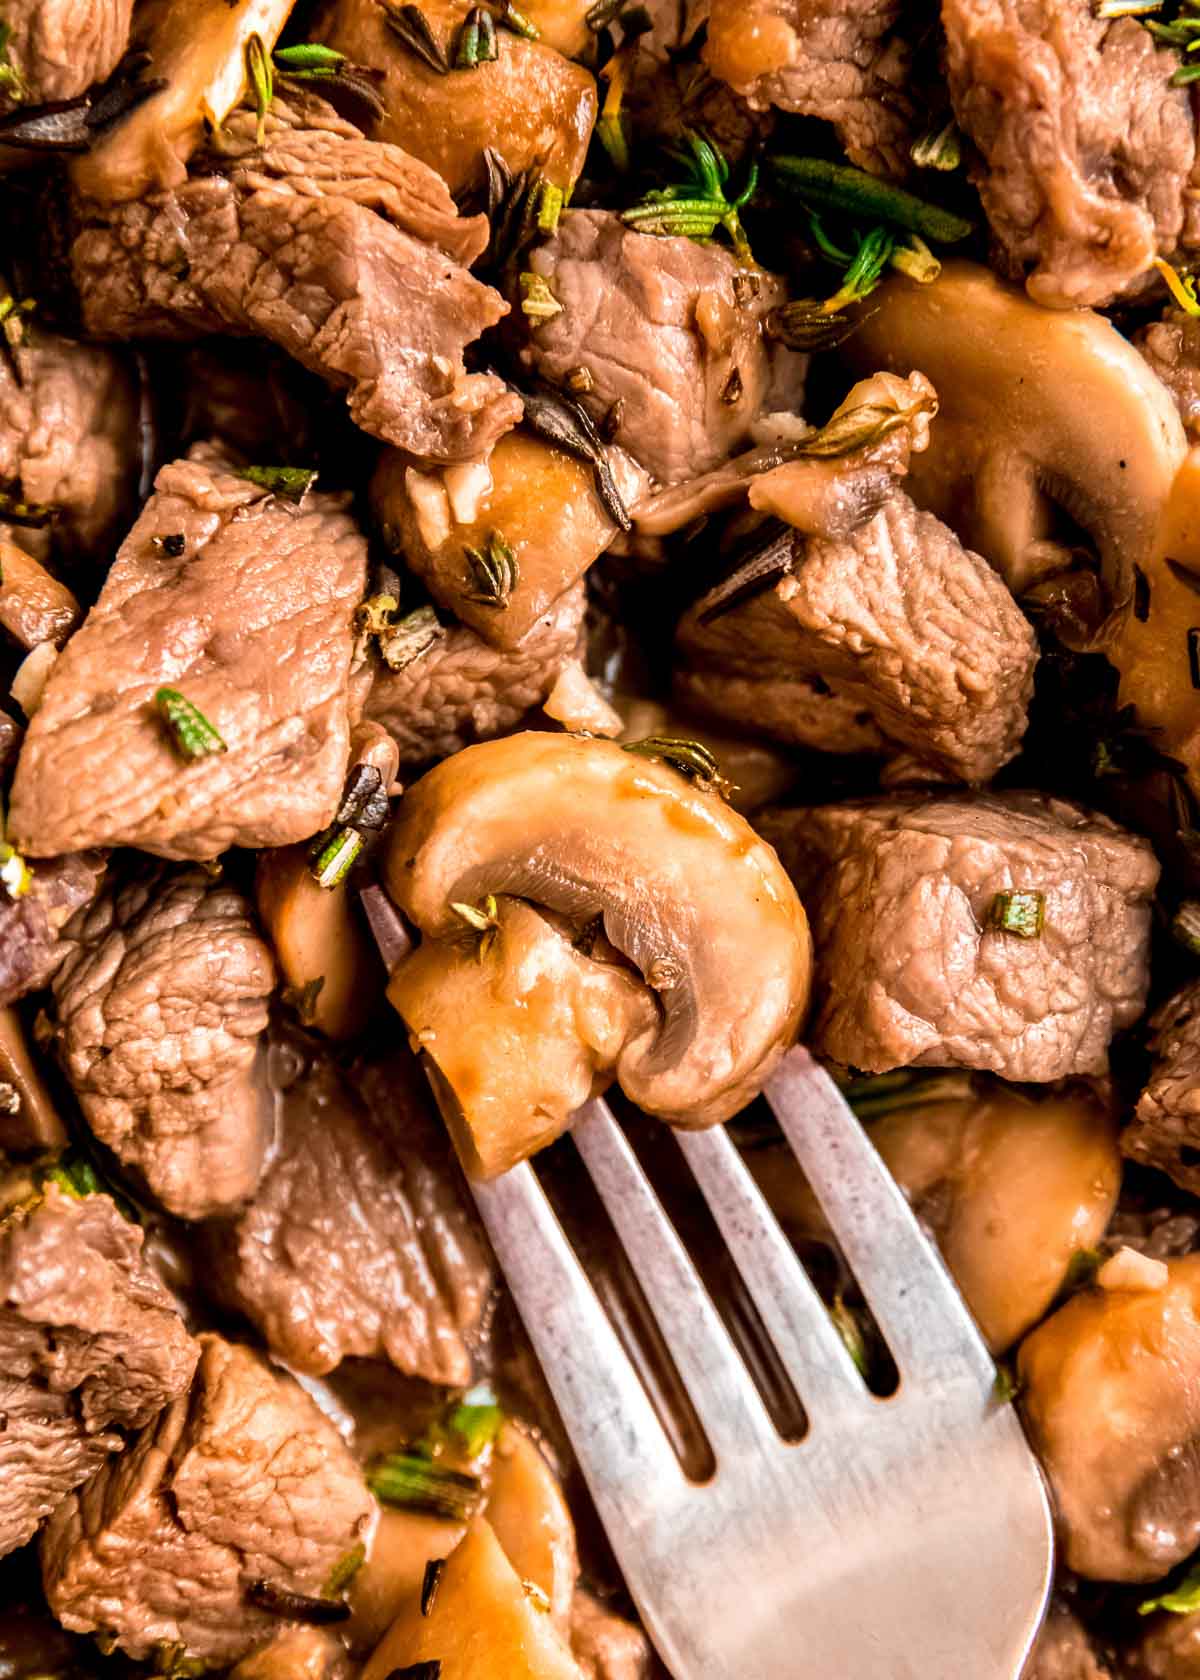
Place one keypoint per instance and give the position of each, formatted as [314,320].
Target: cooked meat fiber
[242,1480]
[799,709]
[848,63]
[1165,1129]
[91,1345]
[32,948]
[346,253]
[898,619]
[909,971]
[58,48]
[159,1012]
[1063,1651]
[359,1242]
[462,690]
[252,624]
[605,1646]
[69,441]
[669,328]
[1172,348]
[1085,150]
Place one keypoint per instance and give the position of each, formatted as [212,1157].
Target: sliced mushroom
[1038,407]
[529,1517]
[686,890]
[1110,1389]
[34,606]
[29,1121]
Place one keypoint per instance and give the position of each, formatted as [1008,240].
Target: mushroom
[34,606]
[1012,1190]
[530,1518]
[1037,407]
[683,887]
[1110,1389]
[29,1121]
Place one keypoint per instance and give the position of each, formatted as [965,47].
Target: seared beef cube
[32,946]
[605,1645]
[241,602]
[905,897]
[359,1242]
[69,443]
[91,1345]
[787,706]
[1063,1650]
[847,61]
[243,1480]
[529,104]
[898,619]
[461,690]
[1085,150]
[59,48]
[1172,348]
[347,254]
[670,329]
[160,1008]
[1165,1129]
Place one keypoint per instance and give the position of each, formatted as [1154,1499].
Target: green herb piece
[193,735]
[1082,1267]
[344,1571]
[1019,913]
[14,510]
[11,82]
[1006,1387]
[75,1175]
[938,148]
[913,257]
[1185,926]
[862,427]
[430,1583]
[537,1596]
[414,635]
[538,302]
[549,206]
[518,23]
[333,855]
[755,568]
[294,1606]
[839,186]
[308,58]
[291,484]
[873,1095]
[560,419]
[304,1001]
[262,81]
[478,1418]
[690,758]
[492,572]
[414,1483]
[697,206]
[16,877]
[1181,1600]
[476,42]
[845,1322]
[483,920]
[806,325]
[410,25]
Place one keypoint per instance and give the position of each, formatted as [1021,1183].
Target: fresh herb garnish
[1182,31]
[697,206]
[410,25]
[261,77]
[559,419]
[538,302]
[15,510]
[333,855]
[845,1322]
[430,1582]
[518,23]
[418,1484]
[296,1606]
[399,641]
[344,1570]
[863,426]
[364,802]
[1182,1599]
[938,148]
[756,568]
[839,186]
[193,735]
[477,43]
[477,1419]
[291,484]
[308,58]
[492,572]
[75,1176]
[550,201]
[690,758]
[1022,913]
[310,61]
[11,82]
[483,920]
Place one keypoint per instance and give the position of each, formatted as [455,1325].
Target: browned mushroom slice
[29,1121]
[681,884]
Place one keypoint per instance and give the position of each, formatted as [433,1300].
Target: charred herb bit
[418,1671]
[290,484]
[172,545]
[476,42]
[1082,1267]
[415,1483]
[123,92]
[559,419]
[364,803]
[171,1661]
[333,855]
[430,1582]
[261,77]
[194,736]
[410,25]
[1141,595]
[697,206]
[806,325]
[304,1000]
[690,758]
[839,186]
[483,921]
[755,570]
[492,572]
[1186,575]
[14,510]
[411,637]
[478,1418]
[733,388]
[1185,926]
[1022,913]
[344,1570]
[1182,1599]
[295,1606]
[11,83]
[938,148]
[538,302]
[75,1176]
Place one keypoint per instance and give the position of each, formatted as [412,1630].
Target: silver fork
[906,1538]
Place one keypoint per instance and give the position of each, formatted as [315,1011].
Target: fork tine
[614,1431]
[922,1316]
[796,1320]
[728,1404]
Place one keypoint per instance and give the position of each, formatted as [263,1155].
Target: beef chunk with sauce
[912,971]
[359,1242]
[669,329]
[1172,348]
[1165,1129]
[59,48]
[159,1012]
[241,602]
[32,944]
[1063,1650]
[241,1480]
[1086,152]
[461,690]
[91,1346]
[348,254]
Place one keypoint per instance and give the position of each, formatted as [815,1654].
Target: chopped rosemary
[16,877]
[697,206]
[60,125]
[1188,576]
[476,42]
[767,559]
[492,572]
[862,427]
[845,1322]
[690,758]
[478,1419]
[75,1176]
[1141,595]
[410,25]
[418,1484]
[262,80]
[15,510]
[839,186]
[291,484]
[518,23]
[560,419]
[938,148]
[11,82]
[430,1582]
[549,206]
[538,302]
[1082,1267]
[1018,912]
[806,325]
[308,58]
[333,855]
[1181,1600]
[1193,648]
[483,921]
[194,736]
[344,1570]
[296,1606]
[172,545]
[364,803]
[1185,926]
[1005,1388]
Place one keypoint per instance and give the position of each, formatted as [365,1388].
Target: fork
[906,1538]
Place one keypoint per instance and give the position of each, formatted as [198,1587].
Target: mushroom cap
[687,891]
[1036,405]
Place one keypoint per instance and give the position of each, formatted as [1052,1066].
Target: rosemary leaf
[939,148]
[690,758]
[294,1606]
[478,1418]
[538,302]
[16,877]
[402,643]
[262,80]
[60,125]
[1181,1600]
[75,1176]
[1022,913]
[410,25]
[291,484]
[430,1582]
[518,23]
[344,1570]
[414,1483]
[194,736]
[839,186]
[332,856]
[12,85]
[1182,287]
[492,572]
[310,56]
[1185,926]
[364,803]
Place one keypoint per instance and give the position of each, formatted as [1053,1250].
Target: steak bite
[1165,1129]
[91,1345]
[1172,348]
[359,1242]
[670,329]
[1063,1650]
[32,944]
[58,48]
[915,963]
[242,1481]
[348,254]
[242,603]
[159,1011]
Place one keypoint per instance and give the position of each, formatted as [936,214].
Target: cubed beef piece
[32,944]
[1063,1650]
[58,48]
[1172,348]
[1165,1129]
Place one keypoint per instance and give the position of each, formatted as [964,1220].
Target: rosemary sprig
[261,77]
[492,572]
[415,1483]
[344,1570]
[333,855]
[476,43]
[561,420]
[691,759]
[518,24]
[697,206]
[410,25]
[400,641]
[193,735]
[362,812]
[839,186]
[938,148]
[295,1606]
[308,58]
